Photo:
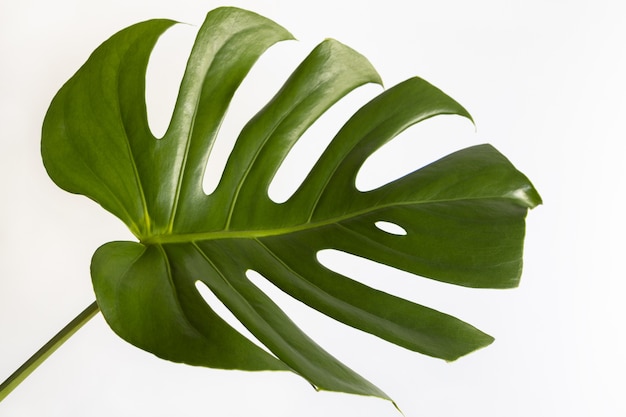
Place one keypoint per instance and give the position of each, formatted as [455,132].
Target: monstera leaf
[463,215]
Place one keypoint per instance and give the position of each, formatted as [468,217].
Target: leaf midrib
[260,233]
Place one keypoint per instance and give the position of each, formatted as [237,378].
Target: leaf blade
[463,215]
[146,306]
[226,278]
[84,136]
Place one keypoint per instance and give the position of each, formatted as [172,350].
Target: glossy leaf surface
[463,215]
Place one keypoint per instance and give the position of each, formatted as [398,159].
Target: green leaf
[463,215]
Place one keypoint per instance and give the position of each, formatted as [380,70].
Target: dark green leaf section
[240,201]
[463,214]
[86,139]
[97,124]
[290,263]
[225,275]
[151,306]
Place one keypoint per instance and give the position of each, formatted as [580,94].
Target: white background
[545,82]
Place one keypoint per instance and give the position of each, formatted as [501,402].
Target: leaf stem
[46,350]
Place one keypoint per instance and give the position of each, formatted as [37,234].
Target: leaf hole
[164,74]
[373,274]
[452,299]
[325,330]
[412,149]
[391,228]
[362,269]
[257,88]
[291,306]
[308,149]
[220,309]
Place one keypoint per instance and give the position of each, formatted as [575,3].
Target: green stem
[46,350]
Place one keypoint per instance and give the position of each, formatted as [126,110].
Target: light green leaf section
[464,214]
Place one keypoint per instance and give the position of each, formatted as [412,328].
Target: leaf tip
[358,61]
[527,196]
